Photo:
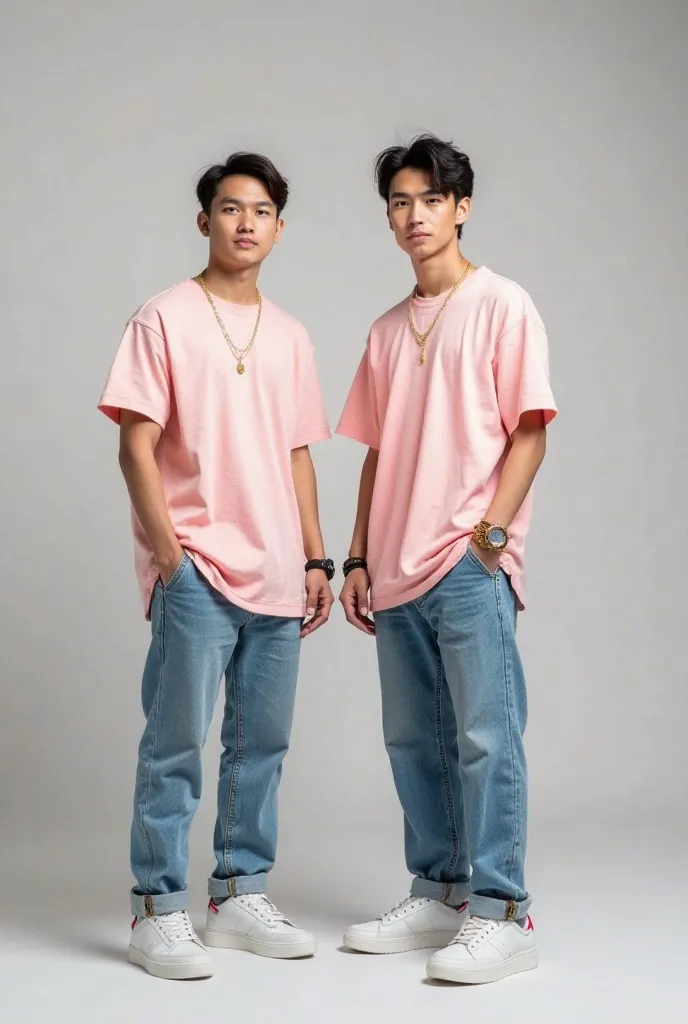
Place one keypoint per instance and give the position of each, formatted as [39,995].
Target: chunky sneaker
[253,923]
[486,951]
[415,923]
[168,947]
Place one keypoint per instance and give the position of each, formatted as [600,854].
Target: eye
[229,209]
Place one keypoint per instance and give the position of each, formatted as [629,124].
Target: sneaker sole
[273,950]
[484,975]
[426,940]
[171,972]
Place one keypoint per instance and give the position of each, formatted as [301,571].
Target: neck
[238,286]
[439,273]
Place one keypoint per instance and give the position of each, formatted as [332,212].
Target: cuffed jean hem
[451,893]
[238,885]
[167,903]
[499,910]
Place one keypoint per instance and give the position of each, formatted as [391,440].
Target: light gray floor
[609,920]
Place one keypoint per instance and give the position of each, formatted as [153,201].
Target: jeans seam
[507,685]
[448,794]
[154,740]
[236,768]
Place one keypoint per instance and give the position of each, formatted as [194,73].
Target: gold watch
[490,537]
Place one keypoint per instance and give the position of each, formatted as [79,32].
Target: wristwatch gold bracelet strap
[481,536]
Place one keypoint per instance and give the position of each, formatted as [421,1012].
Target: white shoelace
[474,930]
[176,927]
[258,903]
[405,907]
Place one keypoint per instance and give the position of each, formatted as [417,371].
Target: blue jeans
[454,712]
[199,636]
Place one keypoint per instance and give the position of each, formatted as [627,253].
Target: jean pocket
[478,562]
[176,575]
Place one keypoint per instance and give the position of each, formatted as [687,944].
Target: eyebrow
[240,202]
[407,195]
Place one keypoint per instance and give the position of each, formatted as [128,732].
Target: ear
[463,210]
[278,230]
[203,224]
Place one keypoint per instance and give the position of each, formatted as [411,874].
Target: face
[424,222]
[243,225]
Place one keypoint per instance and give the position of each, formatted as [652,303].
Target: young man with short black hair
[452,398]
[217,397]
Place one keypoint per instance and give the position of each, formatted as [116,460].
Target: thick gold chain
[422,339]
[238,353]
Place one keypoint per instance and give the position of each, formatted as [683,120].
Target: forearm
[144,483]
[518,473]
[306,490]
[359,541]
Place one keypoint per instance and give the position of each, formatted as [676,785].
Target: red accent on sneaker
[133,923]
[211,906]
[460,910]
[529,924]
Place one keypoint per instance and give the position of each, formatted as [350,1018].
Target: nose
[245,226]
[416,214]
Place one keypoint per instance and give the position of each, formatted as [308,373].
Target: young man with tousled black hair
[452,399]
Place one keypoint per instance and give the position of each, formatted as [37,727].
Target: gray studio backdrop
[574,116]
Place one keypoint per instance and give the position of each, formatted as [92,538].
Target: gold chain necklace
[238,353]
[422,339]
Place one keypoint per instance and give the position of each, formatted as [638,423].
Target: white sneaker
[415,923]
[253,923]
[485,951]
[168,947]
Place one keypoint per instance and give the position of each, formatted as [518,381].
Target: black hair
[252,165]
[449,168]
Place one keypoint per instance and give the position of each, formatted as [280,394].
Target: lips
[417,236]
[245,243]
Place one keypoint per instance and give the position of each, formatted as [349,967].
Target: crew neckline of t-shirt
[230,308]
[437,300]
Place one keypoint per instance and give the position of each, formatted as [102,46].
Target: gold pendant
[422,358]
[240,368]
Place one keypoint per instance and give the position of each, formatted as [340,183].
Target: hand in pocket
[169,569]
[490,559]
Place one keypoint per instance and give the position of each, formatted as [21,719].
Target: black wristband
[354,563]
[326,564]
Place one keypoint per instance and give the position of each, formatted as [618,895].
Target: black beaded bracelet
[354,563]
[326,564]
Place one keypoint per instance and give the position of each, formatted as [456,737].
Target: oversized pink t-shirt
[442,429]
[225,451]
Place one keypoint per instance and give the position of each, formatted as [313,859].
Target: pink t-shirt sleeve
[312,425]
[522,373]
[139,379]
[359,419]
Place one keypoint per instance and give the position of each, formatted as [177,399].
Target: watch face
[496,536]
